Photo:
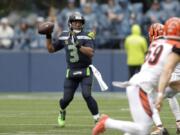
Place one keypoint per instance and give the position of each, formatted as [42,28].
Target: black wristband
[48,36]
[78,46]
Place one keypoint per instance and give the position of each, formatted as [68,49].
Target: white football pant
[141,111]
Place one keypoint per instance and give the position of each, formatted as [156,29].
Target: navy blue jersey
[74,58]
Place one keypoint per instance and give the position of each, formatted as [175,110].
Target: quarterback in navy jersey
[72,43]
[79,50]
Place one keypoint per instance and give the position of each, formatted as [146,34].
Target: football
[45,28]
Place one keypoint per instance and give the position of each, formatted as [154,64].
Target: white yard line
[55,95]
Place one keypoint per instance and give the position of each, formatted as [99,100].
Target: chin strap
[76,31]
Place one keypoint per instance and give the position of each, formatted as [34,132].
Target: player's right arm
[53,46]
[49,45]
[172,61]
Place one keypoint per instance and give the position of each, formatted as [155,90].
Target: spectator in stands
[62,16]
[123,23]
[103,31]
[133,19]
[155,13]
[39,41]
[94,5]
[136,16]
[110,14]
[52,18]
[135,47]
[24,36]
[6,34]
[171,8]
[90,17]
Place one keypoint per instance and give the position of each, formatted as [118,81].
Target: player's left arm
[87,51]
[88,47]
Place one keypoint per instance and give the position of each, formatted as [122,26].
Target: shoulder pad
[92,35]
[65,33]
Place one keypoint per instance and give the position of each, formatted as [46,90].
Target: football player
[172,31]
[155,31]
[141,93]
[79,50]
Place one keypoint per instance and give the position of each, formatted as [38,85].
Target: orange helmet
[156,30]
[172,27]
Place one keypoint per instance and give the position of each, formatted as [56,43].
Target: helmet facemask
[156,30]
[172,27]
[76,22]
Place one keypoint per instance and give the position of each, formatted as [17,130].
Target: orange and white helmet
[172,27]
[156,30]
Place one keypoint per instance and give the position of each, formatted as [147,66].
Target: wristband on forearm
[78,46]
[160,94]
[48,36]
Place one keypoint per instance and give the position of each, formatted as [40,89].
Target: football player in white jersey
[172,31]
[156,30]
[141,93]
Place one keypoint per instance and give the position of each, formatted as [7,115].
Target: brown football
[46,28]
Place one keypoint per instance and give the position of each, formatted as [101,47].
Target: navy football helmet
[76,17]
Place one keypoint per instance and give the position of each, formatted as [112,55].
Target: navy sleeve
[89,43]
[58,44]
[176,50]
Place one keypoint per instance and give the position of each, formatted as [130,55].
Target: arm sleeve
[58,44]
[89,43]
[176,50]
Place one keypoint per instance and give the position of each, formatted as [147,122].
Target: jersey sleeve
[59,42]
[89,40]
[176,50]
[89,43]
[58,45]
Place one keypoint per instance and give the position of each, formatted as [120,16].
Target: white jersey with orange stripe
[155,60]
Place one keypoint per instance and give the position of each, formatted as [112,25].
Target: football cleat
[160,131]
[178,127]
[96,121]
[61,118]
[100,126]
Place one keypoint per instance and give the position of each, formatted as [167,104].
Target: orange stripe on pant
[145,102]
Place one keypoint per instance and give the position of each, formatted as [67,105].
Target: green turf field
[36,114]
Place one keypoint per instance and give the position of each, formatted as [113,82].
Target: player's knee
[66,100]
[86,95]
[141,129]
[144,130]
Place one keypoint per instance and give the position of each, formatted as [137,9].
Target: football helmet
[76,17]
[156,30]
[172,27]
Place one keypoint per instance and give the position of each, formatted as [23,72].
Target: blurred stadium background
[25,63]
[27,68]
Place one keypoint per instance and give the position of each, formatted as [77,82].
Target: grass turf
[36,114]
